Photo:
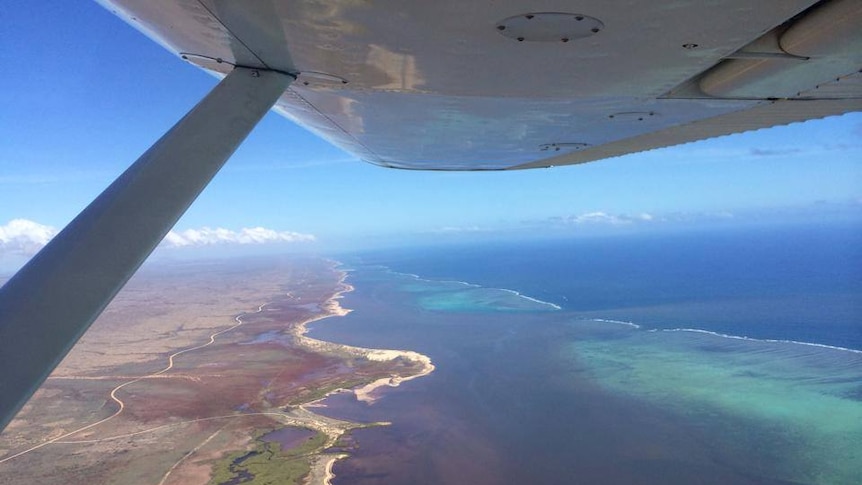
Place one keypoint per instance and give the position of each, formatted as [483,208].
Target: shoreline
[322,462]
[331,307]
[367,393]
[321,469]
[291,410]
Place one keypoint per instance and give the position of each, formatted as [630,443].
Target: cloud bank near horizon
[207,236]
[23,237]
[599,217]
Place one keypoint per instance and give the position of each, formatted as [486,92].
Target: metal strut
[55,297]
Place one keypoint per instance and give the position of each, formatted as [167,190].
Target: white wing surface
[480,85]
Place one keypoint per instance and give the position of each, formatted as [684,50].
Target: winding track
[122,405]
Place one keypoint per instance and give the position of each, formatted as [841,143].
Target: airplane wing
[455,85]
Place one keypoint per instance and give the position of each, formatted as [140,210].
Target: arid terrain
[187,373]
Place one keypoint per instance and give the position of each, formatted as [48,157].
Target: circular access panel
[549,27]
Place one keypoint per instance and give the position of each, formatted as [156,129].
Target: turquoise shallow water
[800,404]
[459,296]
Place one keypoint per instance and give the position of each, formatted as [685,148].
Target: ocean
[712,356]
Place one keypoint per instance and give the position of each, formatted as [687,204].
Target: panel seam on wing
[233,35]
[377,159]
[605,152]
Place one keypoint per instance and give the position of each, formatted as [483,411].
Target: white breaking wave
[619,322]
[417,277]
[742,337]
[553,305]
[463,283]
[724,335]
[472,285]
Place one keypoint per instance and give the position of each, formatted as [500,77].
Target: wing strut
[52,300]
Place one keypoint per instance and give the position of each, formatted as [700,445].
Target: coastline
[331,307]
[322,462]
[367,392]
[300,414]
[232,433]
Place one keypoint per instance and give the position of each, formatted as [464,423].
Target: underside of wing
[453,85]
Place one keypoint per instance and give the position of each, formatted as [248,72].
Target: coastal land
[202,373]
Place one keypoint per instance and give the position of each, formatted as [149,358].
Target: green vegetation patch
[266,463]
[313,394]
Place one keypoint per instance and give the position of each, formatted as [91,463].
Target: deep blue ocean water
[795,282]
[614,360]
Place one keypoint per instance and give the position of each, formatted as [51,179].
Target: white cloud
[698,216]
[23,237]
[249,235]
[605,218]
[457,229]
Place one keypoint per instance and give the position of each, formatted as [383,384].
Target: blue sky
[83,95]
